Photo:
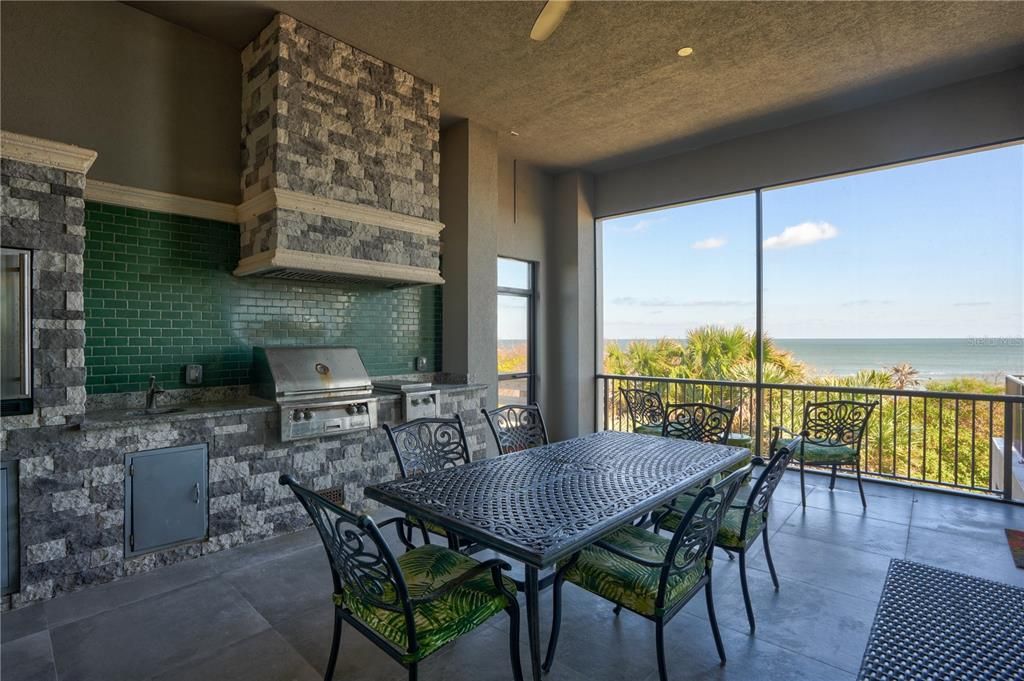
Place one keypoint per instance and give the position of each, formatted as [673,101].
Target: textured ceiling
[607,89]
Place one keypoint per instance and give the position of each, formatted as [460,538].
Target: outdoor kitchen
[255,332]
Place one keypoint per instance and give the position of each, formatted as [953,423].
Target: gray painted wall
[572,310]
[524,216]
[972,113]
[158,102]
[469,207]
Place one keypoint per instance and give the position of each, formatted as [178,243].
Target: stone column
[469,210]
[42,208]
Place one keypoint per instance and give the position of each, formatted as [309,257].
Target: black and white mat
[933,624]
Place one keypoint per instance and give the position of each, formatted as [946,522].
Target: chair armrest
[398,519]
[757,461]
[628,556]
[493,566]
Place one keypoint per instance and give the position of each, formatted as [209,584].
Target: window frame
[22,403]
[530,294]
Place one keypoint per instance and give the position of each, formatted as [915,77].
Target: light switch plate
[193,374]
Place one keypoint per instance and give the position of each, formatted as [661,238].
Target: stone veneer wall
[326,120]
[321,234]
[42,209]
[323,118]
[72,487]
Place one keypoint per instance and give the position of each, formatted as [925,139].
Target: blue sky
[926,250]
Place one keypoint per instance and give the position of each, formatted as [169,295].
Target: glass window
[903,277]
[16,330]
[516,325]
[513,274]
[679,290]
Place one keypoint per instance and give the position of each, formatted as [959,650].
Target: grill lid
[309,371]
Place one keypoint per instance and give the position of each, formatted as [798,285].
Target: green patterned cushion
[439,621]
[829,455]
[433,528]
[728,532]
[626,582]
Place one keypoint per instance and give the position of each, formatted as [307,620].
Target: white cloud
[804,234]
[710,242]
[639,226]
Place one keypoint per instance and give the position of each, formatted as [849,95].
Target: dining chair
[651,575]
[517,427]
[832,435]
[426,445]
[410,606]
[698,421]
[746,518]
[644,408]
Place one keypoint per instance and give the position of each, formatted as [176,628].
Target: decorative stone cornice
[333,268]
[40,152]
[147,199]
[343,210]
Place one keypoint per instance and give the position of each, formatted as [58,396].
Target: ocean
[934,358]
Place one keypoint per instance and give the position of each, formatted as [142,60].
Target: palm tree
[904,376]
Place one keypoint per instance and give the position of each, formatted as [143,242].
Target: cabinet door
[167,497]
[5,557]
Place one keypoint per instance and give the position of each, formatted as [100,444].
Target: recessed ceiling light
[685,51]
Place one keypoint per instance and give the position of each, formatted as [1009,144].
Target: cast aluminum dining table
[542,505]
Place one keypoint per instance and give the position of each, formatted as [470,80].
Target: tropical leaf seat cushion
[433,528]
[728,531]
[438,621]
[626,582]
[823,454]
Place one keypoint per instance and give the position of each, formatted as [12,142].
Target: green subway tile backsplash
[159,294]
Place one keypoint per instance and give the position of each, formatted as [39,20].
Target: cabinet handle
[195,493]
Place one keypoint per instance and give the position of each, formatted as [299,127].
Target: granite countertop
[134,417]
[443,387]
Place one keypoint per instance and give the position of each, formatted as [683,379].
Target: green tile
[176,302]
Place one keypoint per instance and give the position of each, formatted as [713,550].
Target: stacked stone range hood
[341,162]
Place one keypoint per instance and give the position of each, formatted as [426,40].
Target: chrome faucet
[153,391]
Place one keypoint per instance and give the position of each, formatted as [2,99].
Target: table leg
[533,619]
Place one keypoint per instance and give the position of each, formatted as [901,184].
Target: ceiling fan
[549,19]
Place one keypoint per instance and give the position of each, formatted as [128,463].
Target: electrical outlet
[193,374]
[421,364]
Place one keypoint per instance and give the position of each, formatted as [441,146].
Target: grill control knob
[297,415]
[307,415]
[350,409]
[361,409]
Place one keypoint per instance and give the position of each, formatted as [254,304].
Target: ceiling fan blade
[549,19]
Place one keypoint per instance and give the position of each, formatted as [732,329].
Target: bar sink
[154,412]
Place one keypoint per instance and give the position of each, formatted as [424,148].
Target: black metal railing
[914,436]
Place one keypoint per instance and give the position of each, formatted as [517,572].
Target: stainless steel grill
[322,390]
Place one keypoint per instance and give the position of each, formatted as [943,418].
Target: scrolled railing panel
[914,436]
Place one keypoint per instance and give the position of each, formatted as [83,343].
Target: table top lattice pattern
[541,504]
[935,624]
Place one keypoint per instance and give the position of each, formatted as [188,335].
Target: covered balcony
[530,340]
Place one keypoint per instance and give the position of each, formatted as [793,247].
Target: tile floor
[262,612]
